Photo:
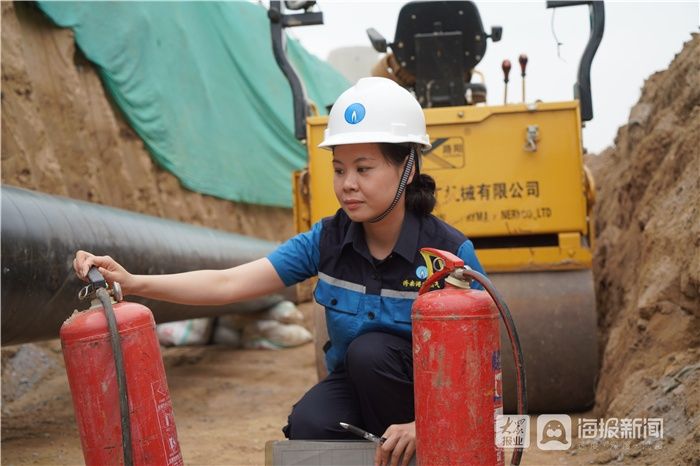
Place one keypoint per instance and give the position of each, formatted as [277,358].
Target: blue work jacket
[360,293]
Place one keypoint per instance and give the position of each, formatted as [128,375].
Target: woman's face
[364,182]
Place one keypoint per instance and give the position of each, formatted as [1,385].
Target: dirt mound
[647,260]
[62,134]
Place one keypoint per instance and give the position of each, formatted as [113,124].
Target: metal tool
[362,433]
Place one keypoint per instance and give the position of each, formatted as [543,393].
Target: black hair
[420,193]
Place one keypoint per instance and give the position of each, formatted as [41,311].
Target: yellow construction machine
[511,177]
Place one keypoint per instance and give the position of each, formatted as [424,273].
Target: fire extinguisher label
[497,402]
[166,422]
[498,379]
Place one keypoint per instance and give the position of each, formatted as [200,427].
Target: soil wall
[647,259]
[61,134]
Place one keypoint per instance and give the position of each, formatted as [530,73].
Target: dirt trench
[61,134]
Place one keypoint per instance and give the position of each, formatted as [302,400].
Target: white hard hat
[376,110]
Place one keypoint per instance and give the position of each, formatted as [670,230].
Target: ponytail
[420,193]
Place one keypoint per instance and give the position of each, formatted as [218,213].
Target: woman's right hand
[198,287]
[108,267]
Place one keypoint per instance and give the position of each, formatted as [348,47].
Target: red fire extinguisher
[457,366]
[117,381]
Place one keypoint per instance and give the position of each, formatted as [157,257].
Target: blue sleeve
[297,258]
[468,255]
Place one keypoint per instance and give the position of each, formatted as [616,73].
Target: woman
[367,260]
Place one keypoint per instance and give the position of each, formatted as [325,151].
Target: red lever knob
[523,63]
[506,69]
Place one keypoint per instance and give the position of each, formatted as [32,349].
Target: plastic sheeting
[199,84]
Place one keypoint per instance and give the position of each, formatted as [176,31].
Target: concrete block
[320,453]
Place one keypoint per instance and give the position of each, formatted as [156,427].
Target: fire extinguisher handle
[97,281]
[96,278]
[437,270]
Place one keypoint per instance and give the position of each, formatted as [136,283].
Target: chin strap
[402,185]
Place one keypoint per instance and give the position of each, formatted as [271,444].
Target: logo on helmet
[355,113]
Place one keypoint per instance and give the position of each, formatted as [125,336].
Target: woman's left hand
[400,440]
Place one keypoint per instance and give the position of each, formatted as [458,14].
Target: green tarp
[198,82]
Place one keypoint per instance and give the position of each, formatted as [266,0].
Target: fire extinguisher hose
[115,340]
[514,343]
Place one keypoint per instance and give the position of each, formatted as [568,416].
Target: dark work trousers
[372,391]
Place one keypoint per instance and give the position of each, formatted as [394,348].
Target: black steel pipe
[41,233]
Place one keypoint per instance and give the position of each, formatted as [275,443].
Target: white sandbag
[226,335]
[184,332]
[271,334]
[285,312]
